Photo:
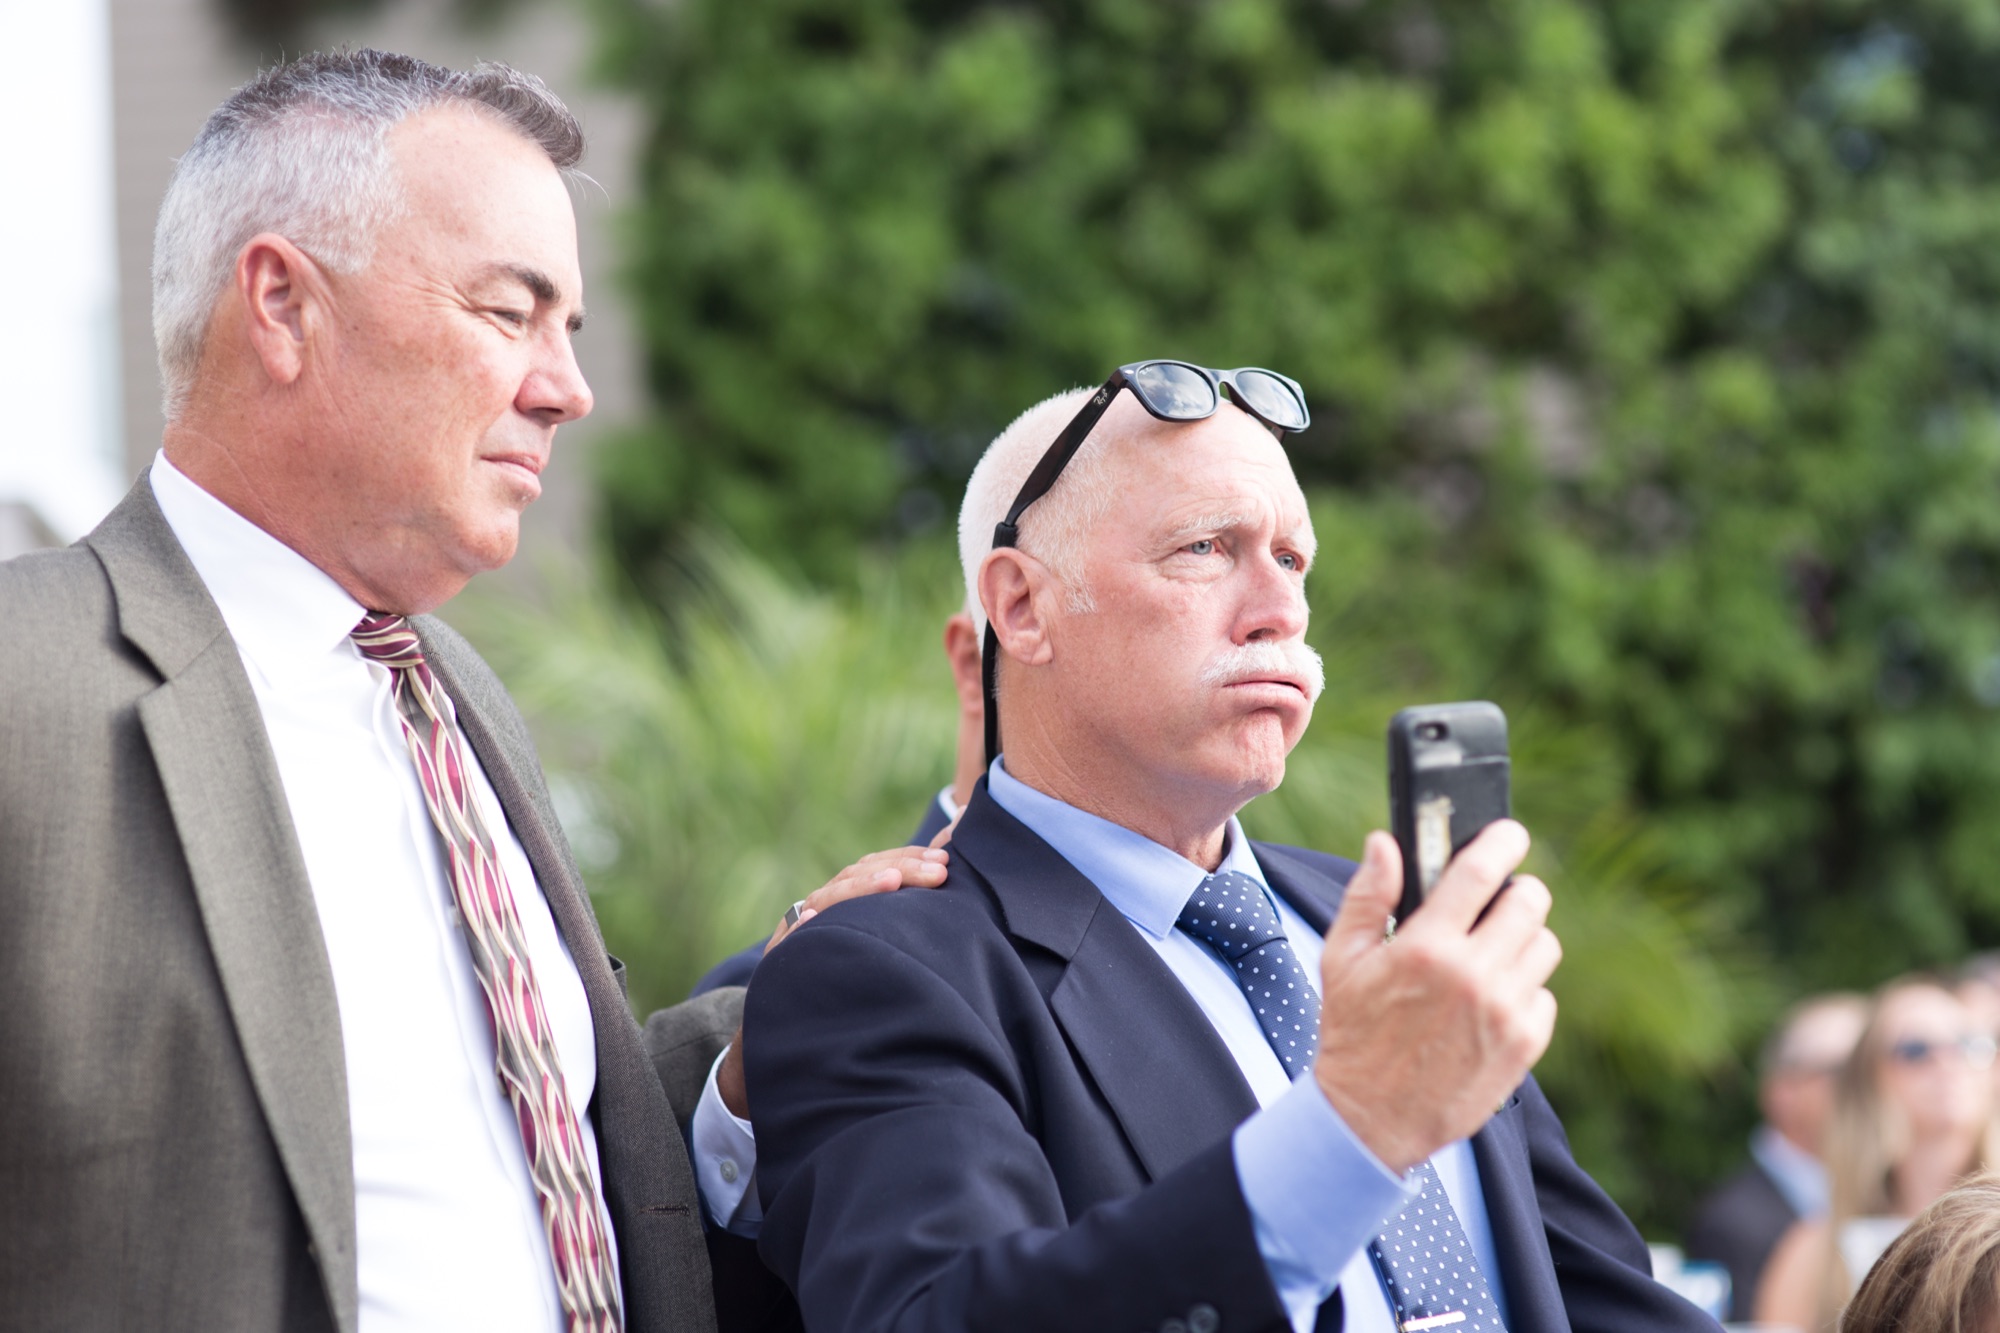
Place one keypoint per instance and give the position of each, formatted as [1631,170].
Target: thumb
[1370,900]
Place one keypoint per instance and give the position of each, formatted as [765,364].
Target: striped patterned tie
[524,1048]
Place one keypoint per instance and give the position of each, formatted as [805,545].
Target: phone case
[1448,779]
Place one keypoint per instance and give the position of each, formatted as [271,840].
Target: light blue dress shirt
[1796,1172]
[1296,1154]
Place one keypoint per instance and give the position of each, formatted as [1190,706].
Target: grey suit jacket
[174,1143]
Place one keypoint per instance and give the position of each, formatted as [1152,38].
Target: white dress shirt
[447,1220]
[1317,1196]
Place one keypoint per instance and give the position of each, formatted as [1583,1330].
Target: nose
[555,390]
[1274,607]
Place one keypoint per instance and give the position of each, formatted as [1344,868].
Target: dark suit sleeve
[904,1187]
[734,970]
[1600,1259]
[1738,1225]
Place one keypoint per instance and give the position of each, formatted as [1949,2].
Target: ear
[282,294]
[962,650]
[1015,588]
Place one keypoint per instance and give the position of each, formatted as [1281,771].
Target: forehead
[1921,1008]
[476,192]
[1165,471]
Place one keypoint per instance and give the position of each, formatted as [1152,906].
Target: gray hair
[302,150]
[1055,527]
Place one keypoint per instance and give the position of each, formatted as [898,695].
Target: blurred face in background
[1797,1093]
[1981,996]
[1932,1064]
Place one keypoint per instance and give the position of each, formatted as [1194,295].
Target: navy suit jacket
[1738,1225]
[992,1106]
[735,970]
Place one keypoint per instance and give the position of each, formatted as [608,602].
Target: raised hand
[1423,1036]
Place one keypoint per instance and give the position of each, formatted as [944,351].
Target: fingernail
[934,854]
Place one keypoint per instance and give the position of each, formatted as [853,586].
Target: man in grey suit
[305,1020]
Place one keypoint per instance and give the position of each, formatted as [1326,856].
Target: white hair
[302,150]
[1056,527]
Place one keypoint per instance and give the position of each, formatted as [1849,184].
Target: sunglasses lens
[1270,398]
[1912,1052]
[1174,391]
[1979,1052]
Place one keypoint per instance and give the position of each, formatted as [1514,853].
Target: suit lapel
[1169,1079]
[227,801]
[1520,1240]
[1313,895]
[536,829]
[648,1185]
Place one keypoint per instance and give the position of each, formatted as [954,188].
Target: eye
[1290,560]
[517,318]
[1206,546]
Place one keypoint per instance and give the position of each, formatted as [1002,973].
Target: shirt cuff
[1293,1159]
[725,1161]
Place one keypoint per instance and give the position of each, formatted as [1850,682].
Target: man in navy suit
[1085,1084]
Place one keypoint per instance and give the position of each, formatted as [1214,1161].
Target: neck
[1192,828]
[971,753]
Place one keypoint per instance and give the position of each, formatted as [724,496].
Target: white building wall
[61,447]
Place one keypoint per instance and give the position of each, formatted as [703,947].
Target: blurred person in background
[1940,1276]
[1912,1117]
[1976,983]
[961,651]
[1741,1221]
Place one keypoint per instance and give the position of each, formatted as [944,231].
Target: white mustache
[1263,660]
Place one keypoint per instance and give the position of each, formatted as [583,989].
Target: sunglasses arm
[1007,532]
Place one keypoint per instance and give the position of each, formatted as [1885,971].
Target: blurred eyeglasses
[1975,1050]
[1171,391]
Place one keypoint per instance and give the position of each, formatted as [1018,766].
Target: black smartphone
[1448,779]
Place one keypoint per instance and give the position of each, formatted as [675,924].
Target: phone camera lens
[1431,731]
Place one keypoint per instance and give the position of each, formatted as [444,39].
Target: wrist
[1384,1131]
[729,1079]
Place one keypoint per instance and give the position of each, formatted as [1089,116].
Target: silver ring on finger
[792,913]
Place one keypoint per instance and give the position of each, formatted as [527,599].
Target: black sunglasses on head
[1171,391]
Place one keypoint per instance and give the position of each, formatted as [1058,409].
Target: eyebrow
[540,286]
[1301,536]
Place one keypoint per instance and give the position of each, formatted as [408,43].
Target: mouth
[1282,687]
[526,468]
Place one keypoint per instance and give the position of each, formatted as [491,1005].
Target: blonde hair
[1866,1140]
[1942,1275]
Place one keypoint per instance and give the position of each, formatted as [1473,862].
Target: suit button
[1203,1318]
[728,1171]
[1173,1326]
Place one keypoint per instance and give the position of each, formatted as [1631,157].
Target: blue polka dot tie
[1429,1269]
[1426,1263]
[1232,915]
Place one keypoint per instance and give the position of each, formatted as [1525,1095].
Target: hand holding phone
[1448,779]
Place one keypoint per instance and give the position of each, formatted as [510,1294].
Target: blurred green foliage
[1653,351]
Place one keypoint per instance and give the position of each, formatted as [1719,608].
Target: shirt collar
[283,611]
[1798,1175]
[1146,882]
